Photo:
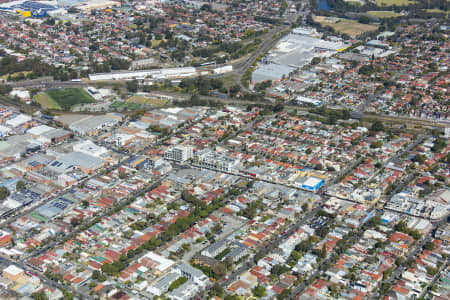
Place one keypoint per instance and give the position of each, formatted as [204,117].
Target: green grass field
[383,14]
[66,98]
[147,101]
[394,2]
[45,101]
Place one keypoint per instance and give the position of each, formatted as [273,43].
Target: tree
[315,60]
[219,270]
[364,20]
[428,246]
[5,89]
[216,228]
[323,253]
[217,290]
[322,231]
[132,86]
[96,274]
[4,192]
[20,185]
[259,291]
[75,221]
[375,145]
[85,203]
[174,285]
[228,263]
[279,269]
[439,145]
[420,158]
[39,296]
[377,126]
[400,261]
[284,294]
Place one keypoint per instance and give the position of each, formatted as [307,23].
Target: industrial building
[69,162]
[170,73]
[97,4]
[91,125]
[158,74]
[306,100]
[293,52]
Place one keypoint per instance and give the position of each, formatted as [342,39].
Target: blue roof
[32,5]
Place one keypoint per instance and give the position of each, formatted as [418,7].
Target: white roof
[173,110]
[3,233]
[38,130]
[312,181]
[11,204]
[163,262]
[20,93]
[88,147]
[13,270]
[18,120]
[4,129]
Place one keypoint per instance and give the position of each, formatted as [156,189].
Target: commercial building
[180,153]
[212,160]
[312,184]
[13,273]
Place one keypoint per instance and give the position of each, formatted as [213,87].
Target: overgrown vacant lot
[383,13]
[350,27]
[147,100]
[66,98]
[394,2]
[45,101]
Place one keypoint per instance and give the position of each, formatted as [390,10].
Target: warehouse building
[30,9]
[293,52]
[71,161]
[91,125]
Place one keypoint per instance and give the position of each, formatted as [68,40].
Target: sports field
[66,98]
[45,101]
[350,27]
[383,14]
[147,101]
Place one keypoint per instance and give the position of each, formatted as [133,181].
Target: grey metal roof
[75,159]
